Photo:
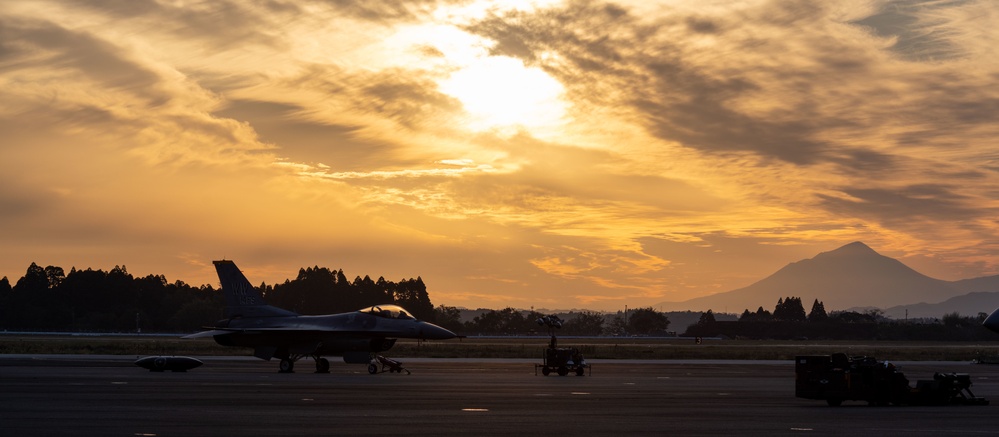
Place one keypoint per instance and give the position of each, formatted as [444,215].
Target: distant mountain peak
[856,245]
[854,249]
[852,260]
[854,275]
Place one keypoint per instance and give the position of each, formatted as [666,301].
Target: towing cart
[382,364]
[562,360]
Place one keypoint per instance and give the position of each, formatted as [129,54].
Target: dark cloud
[396,94]
[679,100]
[906,206]
[954,101]
[302,140]
[392,94]
[406,10]
[220,24]
[916,36]
[231,24]
[122,9]
[945,109]
[36,44]
[581,31]
[84,83]
[550,179]
[399,96]
[864,162]
[834,103]
[702,25]
[381,11]
[829,84]
[695,109]
[18,202]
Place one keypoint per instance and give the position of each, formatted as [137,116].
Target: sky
[550,154]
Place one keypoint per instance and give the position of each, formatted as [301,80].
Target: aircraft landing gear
[287,364]
[322,365]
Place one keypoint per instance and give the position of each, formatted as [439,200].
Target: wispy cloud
[664,140]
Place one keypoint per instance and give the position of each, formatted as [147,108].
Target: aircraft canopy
[387,311]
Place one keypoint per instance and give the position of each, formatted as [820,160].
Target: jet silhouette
[273,332]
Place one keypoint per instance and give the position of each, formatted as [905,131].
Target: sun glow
[501,92]
[496,92]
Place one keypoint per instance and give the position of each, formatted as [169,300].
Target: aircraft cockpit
[388,312]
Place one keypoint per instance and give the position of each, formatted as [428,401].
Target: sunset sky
[551,154]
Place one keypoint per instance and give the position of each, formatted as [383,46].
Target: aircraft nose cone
[431,331]
[992,322]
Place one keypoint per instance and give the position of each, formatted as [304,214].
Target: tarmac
[89,395]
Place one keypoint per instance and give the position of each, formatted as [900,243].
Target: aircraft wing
[222,331]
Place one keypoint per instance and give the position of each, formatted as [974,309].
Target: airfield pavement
[70,395]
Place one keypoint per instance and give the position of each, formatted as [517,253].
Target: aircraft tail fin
[241,299]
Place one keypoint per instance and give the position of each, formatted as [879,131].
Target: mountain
[852,276]
[985,283]
[966,305]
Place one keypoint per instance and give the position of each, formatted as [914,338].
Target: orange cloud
[674,149]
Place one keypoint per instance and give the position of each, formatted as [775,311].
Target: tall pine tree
[818,313]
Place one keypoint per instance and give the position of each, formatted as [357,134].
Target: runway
[83,395]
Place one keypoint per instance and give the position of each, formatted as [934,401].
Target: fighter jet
[273,332]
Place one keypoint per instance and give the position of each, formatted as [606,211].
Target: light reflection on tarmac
[107,395]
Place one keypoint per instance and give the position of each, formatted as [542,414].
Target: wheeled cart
[559,359]
[836,378]
[382,364]
[562,360]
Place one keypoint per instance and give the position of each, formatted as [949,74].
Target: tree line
[511,321]
[789,321]
[320,290]
[116,301]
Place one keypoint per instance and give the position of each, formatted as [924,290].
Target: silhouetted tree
[47,298]
[818,313]
[34,305]
[762,315]
[6,301]
[412,295]
[851,317]
[789,310]
[875,313]
[35,280]
[92,300]
[367,292]
[55,276]
[505,321]
[84,294]
[584,323]
[647,321]
[707,317]
[617,325]
[198,312]
[953,320]
[448,318]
